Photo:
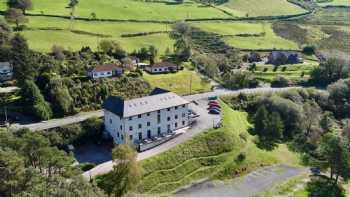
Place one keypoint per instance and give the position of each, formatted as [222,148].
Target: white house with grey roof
[137,120]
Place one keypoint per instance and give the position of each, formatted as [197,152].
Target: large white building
[135,120]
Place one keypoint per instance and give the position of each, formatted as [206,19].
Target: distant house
[161,67]
[6,71]
[284,57]
[105,70]
[130,62]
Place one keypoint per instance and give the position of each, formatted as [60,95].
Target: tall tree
[34,101]
[126,172]
[153,52]
[20,4]
[260,120]
[334,151]
[16,17]
[72,5]
[5,32]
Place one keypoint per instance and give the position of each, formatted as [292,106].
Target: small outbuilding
[105,70]
[284,57]
[162,67]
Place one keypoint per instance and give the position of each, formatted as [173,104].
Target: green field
[43,32]
[210,154]
[262,7]
[127,9]
[336,3]
[266,40]
[179,82]
[292,71]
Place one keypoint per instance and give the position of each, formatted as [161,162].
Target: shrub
[309,50]
[86,166]
[241,157]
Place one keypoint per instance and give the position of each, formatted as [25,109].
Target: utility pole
[191,83]
[6,120]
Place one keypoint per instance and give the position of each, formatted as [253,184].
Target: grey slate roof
[133,107]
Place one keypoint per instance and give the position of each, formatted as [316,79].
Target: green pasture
[266,40]
[126,9]
[211,154]
[336,3]
[262,7]
[179,82]
[44,32]
[290,71]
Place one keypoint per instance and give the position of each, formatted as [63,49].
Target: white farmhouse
[6,71]
[141,119]
[105,70]
[161,67]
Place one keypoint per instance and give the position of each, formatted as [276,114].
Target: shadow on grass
[322,186]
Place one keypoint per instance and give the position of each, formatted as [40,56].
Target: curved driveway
[201,125]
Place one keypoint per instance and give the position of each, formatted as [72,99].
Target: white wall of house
[146,125]
[157,69]
[97,75]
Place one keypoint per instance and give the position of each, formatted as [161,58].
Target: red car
[213,102]
[214,105]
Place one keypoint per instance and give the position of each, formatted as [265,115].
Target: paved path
[86,115]
[256,182]
[53,123]
[8,89]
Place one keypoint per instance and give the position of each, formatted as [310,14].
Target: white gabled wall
[113,123]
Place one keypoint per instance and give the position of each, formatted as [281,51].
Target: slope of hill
[263,7]
[127,9]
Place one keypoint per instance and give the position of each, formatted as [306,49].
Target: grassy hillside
[246,35]
[336,3]
[171,81]
[127,9]
[293,71]
[43,32]
[263,7]
[213,153]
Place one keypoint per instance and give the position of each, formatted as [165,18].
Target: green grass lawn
[336,3]
[179,82]
[267,40]
[263,7]
[210,154]
[43,32]
[126,9]
[292,71]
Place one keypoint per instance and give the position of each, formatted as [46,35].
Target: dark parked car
[214,111]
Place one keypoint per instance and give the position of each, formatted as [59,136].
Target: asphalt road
[254,183]
[53,123]
[86,115]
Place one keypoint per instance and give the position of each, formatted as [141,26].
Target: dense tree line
[31,166]
[312,122]
[211,56]
[56,84]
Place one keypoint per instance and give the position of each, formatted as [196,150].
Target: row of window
[158,120]
[108,73]
[149,134]
[148,114]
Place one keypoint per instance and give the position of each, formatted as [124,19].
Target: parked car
[211,98]
[213,102]
[214,105]
[315,170]
[216,108]
[214,111]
